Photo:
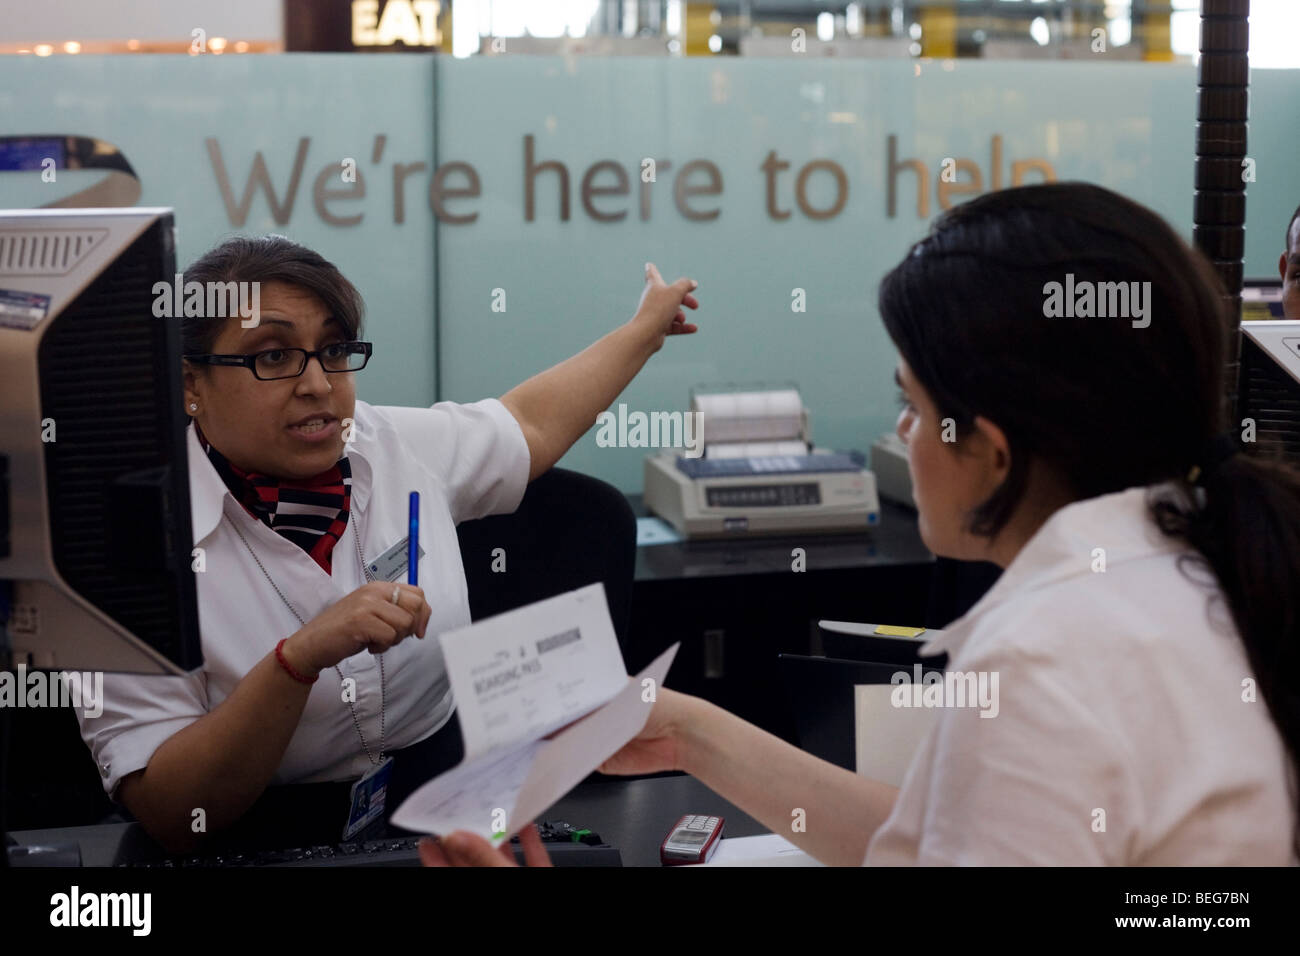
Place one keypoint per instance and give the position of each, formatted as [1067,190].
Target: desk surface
[895,541]
[633,815]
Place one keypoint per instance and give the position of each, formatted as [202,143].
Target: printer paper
[755,449]
[776,415]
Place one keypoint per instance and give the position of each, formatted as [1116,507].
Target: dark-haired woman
[299,499]
[1145,629]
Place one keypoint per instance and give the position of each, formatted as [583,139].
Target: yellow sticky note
[891,630]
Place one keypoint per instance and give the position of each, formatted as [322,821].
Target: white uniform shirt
[466,461]
[1120,693]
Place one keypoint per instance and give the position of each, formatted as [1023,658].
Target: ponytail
[1248,531]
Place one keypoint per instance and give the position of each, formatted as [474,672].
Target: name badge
[368,796]
[391,565]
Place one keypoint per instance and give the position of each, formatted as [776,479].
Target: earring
[193,407]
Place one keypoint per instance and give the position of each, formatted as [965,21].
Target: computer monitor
[1261,300]
[95,535]
[1269,385]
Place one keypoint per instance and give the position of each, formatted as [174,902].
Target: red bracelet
[279,656]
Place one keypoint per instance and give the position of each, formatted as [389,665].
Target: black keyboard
[567,846]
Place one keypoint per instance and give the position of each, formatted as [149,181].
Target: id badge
[391,565]
[368,795]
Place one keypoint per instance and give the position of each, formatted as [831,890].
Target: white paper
[750,416]
[768,849]
[887,737]
[523,674]
[849,627]
[755,449]
[655,531]
[507,783]
[469,794]
[869,630]
[568,757]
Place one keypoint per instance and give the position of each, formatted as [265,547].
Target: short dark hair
[270,259]
[1286,244]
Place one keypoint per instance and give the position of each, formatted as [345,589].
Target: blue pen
[413,542]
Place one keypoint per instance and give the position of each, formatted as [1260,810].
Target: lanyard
[365,570]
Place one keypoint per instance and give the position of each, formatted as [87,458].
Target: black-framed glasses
[271,364]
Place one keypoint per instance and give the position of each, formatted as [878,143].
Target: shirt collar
[1064,548]
[208,492]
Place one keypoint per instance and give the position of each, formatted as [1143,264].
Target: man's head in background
[1289,265]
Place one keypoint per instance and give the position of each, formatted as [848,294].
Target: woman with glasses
[299,501]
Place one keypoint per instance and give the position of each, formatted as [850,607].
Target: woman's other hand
[470,849]
[660,308]
[365,620]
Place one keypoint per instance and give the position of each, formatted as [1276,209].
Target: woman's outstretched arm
[554,408]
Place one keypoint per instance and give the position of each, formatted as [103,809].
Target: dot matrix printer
[759,474]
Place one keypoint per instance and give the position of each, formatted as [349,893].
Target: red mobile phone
[693,839]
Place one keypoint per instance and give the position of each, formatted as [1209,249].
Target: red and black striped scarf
[310,512]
